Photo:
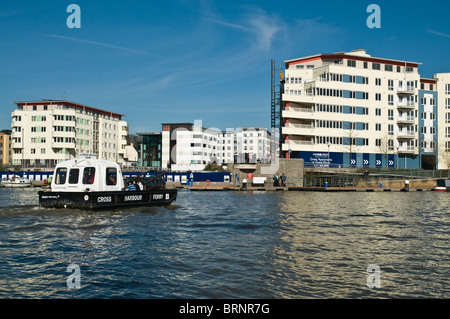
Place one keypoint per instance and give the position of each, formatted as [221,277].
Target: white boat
[16,182]
[94,184]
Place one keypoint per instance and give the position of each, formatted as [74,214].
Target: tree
[444,154]
[386,147]
[351,136]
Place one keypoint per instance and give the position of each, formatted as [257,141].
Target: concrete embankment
[212,188]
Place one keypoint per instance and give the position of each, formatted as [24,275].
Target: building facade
[47,132]
[354,110]
[5,147]
[190,147]
[149,150]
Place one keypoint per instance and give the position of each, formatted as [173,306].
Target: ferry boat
[86,183]
[442,185]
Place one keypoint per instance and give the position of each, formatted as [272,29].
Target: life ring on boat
[207,182]
[45,181]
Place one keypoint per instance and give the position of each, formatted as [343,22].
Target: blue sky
[185,60]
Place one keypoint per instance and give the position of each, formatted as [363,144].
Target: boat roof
[84,162]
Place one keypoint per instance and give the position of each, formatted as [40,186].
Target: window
[88,175]
[447,89]
[390,99]
[351,63]
[399,69]
[111,176]
[447,103]
[365,65]
[378,142]
[378,127]
[378,82]
[391,115]
[73,176]
[391,85]
[378,96]
[376,66]
[388,67]
[378,112]
[61,174]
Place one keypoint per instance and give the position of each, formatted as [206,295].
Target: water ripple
[230,245]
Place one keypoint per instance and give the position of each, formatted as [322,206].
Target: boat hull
[15,185]
[105,200]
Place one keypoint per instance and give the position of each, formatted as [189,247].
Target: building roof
[358,54]
[68,103]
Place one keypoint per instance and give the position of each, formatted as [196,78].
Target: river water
[283,245]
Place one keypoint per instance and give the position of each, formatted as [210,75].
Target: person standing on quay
[275,180]
[283,180]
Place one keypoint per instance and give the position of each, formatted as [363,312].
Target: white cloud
[439,33]
[97,43]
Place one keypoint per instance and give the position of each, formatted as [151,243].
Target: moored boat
[94,184]
[442,185]
[16,182]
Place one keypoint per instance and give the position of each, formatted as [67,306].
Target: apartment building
[349,109]
[47,132]
[5,147]
[443,120]
[190,147]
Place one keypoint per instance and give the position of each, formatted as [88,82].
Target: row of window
[377,66]
[87,177]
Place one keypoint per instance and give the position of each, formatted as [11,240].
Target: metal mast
[275,109]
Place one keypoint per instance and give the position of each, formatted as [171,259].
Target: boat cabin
[87,175]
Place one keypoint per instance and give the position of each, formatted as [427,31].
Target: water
[287,245]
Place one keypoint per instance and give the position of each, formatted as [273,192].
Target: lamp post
[328,154]
[397,158]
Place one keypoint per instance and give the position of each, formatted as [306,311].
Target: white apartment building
[47,132]
[351,109]
[443,132]
[190,147]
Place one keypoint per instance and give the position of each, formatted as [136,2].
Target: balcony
[298,113]
[298,129]
[297,145]
[406,104]
[406,135]
[304,97]
[406,90]
[407,150]
[406,120]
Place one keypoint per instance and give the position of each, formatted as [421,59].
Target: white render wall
[62,132]
[195,149]
[296,95]
[443,87]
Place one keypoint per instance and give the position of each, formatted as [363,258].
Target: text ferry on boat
[88,183]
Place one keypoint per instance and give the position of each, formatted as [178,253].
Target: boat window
[88,175]
[61,174]
[73,176]
[111,176]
